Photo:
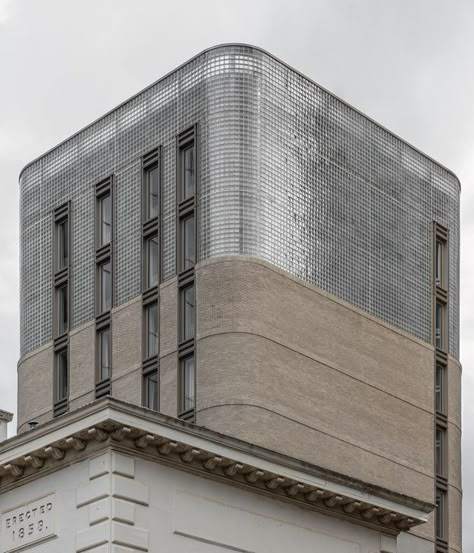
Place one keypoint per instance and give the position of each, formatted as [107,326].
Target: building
[266,283]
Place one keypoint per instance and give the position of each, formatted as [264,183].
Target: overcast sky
[406,63]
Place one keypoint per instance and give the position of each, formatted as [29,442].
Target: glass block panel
[287,172]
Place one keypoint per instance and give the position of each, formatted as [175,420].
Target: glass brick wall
[288,173]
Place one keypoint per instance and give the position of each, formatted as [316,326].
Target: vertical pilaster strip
[111,498]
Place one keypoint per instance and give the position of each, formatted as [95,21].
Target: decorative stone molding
[111,498]
[242,468]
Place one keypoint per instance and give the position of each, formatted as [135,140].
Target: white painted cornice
[109,423]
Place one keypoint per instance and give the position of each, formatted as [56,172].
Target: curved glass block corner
[287,173]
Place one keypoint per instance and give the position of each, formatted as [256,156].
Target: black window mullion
[104,293]
[61,307]
[441,343]
[185,261]
[151,261]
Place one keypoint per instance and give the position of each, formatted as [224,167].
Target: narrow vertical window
[188,181]
[440,514]
[62,244]
[187,383]
[62,375]
[105,219]
[151,390]
[151,238]
[439,388]
[151,184]
[105,287]
[439,262]
[151,330]
[439,325]
[439,450]
[187,311]
[61,315]
[186,257]
[151,261]
[62,309]
[104,355]
[441,341]
[188,251]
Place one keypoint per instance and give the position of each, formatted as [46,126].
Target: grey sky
[406,63]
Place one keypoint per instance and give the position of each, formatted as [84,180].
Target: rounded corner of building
[227,45]
[25,168]
[21,173]
[456,180]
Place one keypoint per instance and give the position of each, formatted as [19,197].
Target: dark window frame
[440,271]
[186,208]
[151,402]
[103,304]
[440,257]
[440,388]
[440,451]
[186,142]
[184,337]
[104,331]
[62,303]
[185,409]
[61,312]
[440,325]
[146,335]
[150,163]
[441,515]
[60,401]
[61,261]
[150,288]
[149,283]
[185,215]
[104,195]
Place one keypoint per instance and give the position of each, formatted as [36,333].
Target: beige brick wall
[286,366]
[35,371]
[35,387]
[283,365]
[126,338]
[455,518]
[168,317]
[82,360]
[168,385]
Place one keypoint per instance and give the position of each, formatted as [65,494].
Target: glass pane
[105,290]
[439,451]
[151,391]
[62,376]
[188,383]
[187,172]
[439,515]
[187,295]
[189,243]
[438,262]
[151,192]
[152,262]
[62,306]
[439,326]
[151,330]
[438,389]
[105,221]
[62,245]
[104,355]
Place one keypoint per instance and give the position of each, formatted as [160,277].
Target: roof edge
[99,411]
[263,51]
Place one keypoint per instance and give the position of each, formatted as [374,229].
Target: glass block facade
[288,173]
